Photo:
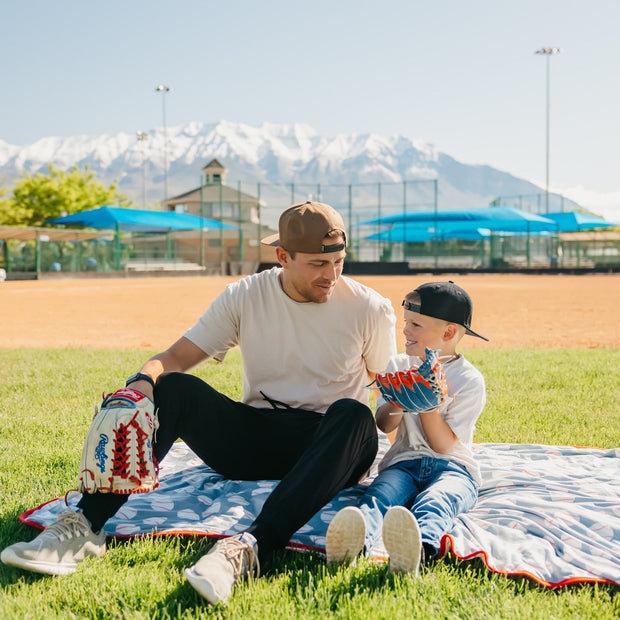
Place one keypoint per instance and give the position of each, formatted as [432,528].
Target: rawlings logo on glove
[417,390]
[118,450]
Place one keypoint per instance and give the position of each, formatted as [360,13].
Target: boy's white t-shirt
[306,355]
[467,397]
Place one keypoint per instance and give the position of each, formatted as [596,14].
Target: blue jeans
[435,490]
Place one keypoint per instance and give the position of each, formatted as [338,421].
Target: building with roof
[214,199]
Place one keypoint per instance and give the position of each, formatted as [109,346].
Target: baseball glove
[118,450]
[416,390]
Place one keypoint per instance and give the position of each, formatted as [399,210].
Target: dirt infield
[527,311]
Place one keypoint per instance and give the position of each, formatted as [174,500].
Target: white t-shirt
[307,355]
[460,411]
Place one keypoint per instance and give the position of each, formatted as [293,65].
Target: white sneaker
[402,540]
[345,536]
[230,559]
[60,548]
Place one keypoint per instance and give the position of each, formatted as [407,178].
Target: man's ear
[283,256]
[450,331]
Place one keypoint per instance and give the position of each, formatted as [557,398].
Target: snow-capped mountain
[272,154]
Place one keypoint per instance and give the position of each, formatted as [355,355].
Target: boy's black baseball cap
[446,301]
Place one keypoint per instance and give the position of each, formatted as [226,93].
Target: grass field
[554,396]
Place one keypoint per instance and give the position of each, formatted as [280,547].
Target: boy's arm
[388,418]
[440,436]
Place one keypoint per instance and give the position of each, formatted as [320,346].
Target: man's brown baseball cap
[303,228]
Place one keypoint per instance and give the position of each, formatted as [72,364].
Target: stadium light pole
[142,136]
[163,89]
[547,52]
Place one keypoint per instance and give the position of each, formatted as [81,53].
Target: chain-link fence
[254,208]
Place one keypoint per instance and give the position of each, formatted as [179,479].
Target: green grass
[46,403]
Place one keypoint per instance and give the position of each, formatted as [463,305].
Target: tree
[40,197]
[6,204]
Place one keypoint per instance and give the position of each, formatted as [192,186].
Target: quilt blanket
[551,513]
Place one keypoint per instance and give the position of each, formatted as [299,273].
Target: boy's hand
[416,390]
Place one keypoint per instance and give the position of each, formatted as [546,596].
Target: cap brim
[273,240]
[471,332]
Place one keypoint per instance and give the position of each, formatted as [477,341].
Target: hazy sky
[460,74]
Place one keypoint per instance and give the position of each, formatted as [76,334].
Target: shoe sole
[203,587]
[9,557]
[345,536]
[402,540]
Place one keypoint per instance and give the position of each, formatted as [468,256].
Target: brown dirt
[527,311]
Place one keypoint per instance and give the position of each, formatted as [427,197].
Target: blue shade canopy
[575,220]
[416,234]
[137,220]
[505,219]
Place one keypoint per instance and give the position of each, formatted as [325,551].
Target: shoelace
[67,525]
[242,557]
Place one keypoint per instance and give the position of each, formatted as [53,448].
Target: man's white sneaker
[345,536]
[59,548]
[230,559]
[402,540]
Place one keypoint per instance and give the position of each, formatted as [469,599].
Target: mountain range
[289,155]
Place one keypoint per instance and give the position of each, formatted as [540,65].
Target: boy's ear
[450,331]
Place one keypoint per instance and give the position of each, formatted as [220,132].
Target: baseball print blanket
[551,513]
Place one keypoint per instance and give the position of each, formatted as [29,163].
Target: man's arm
[182,356]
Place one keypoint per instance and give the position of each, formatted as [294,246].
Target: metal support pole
[221,227]
[239,221]
[117,248]
[37,255]
[351,215]
[527,246]
[260,226]
[436,225]
[142,137]
[163,90]
[380,243]
[202,226]
[404,220]
[547,52]
[169,245]
[547,147]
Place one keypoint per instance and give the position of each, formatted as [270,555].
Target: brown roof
[214,164]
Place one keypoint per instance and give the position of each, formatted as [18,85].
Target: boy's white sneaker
[230,559]
[59,548]
[402,540]
[345,536]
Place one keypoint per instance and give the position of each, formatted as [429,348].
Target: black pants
[314,455]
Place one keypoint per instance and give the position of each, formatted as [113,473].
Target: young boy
[429,474]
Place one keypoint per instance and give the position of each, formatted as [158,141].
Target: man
[311,341]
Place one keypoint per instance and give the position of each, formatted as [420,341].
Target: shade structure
[137,220]
[572,221]
[418,234]
[505,219]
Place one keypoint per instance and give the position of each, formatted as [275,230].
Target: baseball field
[522,311]
[552,373]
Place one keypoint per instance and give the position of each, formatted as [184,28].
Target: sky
[461,75]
